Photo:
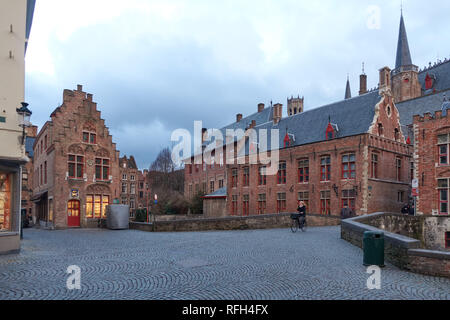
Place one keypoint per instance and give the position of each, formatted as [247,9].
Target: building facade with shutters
[76,165]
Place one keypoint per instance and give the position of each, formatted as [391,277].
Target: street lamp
[25,115]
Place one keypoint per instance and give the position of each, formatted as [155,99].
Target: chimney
[238,117]
[362,81]
[362,84]
[79,87]
[385,78]
[277,112]
[260,107]
[31,131]
[89,97]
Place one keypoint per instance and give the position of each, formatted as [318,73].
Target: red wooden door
[73,213]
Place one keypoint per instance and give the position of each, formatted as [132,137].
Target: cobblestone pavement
[255,264]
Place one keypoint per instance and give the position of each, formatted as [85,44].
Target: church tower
[295,105]
[405,80]
[348,92]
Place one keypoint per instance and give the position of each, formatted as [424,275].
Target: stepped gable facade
[76,165]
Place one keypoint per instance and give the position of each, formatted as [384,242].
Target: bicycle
[297,224]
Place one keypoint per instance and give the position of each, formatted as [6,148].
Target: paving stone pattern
[251,264]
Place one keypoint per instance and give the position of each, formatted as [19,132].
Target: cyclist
[302,213]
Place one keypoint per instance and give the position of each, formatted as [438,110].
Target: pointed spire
[403,53]
[348,92]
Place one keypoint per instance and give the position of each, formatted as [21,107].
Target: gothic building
[356,152]
[76,165]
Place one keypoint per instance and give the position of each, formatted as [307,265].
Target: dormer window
[329,134]
[287,141]
[428,82]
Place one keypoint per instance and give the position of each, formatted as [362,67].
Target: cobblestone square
[251,264]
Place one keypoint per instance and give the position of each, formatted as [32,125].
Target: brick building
[27,172]
[143,199]
[383,169]
[329,160]
[134,188]
[432,161]
[76,165]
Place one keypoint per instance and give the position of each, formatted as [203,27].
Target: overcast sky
[155,66]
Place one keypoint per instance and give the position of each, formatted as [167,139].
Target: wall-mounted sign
[74,193]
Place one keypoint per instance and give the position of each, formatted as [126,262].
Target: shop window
[5,201]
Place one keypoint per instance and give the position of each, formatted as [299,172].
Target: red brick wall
[428,169]
[65,130]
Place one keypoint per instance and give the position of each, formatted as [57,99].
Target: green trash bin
[373,247]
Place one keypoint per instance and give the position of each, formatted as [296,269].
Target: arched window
[396,134]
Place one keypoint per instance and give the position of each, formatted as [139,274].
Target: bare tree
[168,182]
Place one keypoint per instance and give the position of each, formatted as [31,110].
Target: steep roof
[349,117]
[130,162]
[219,193]
[403,57]
[441,73]
[419,106]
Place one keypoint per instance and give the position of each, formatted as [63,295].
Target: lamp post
[25,114]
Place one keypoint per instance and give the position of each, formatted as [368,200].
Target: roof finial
[363,68]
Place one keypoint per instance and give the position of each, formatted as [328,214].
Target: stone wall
[400,250]
[434,229]
[266,221]
[429,230]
